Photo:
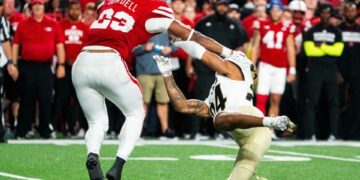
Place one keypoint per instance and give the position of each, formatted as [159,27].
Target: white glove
[164,65]
[279,122]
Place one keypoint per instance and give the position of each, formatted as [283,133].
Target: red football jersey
[273,41]
[75,34]
[121,23]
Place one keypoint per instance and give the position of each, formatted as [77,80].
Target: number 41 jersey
[123,24]
[273,41]
[229,95]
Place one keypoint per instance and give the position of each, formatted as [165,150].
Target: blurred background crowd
[307,53]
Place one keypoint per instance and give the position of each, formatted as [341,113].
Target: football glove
[164,65]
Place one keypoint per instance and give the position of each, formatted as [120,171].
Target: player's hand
[13,71]
[281,123]
[149,46]
[164,65]
[166,51]
[291,78]
[60,71]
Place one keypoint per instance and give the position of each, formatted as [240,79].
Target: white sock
[95,136]
[130,133]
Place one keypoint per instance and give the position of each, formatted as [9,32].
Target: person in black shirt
[323,45]
[349,68]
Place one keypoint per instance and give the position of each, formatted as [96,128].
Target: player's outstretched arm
[213,61]
[178,29]
[177,98]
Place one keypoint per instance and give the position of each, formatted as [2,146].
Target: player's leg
[162,100]
[147,84]
[84,76]
[277,88]
[124,91]
[332,93]
[314,81]
[263,88]
[253,144]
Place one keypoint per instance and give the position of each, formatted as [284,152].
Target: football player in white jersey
[230,103]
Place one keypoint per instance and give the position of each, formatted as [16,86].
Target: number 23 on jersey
[119,21]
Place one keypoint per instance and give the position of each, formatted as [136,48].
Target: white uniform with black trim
[229,95]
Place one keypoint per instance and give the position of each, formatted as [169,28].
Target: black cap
[325,6]
[218,2]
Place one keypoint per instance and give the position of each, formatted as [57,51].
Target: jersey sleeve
[18,34]
[59,34]
[158,18]
[256,25]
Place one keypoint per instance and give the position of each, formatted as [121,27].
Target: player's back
[121,23]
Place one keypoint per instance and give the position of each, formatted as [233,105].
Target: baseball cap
[218,2]
[276,3]
[297,5]
[234,6]
[38,1]
[325,6]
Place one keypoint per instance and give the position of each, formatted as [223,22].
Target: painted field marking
[314,155]
[226,157]
[4,174]
[145,158]
[187,142]
[297,154]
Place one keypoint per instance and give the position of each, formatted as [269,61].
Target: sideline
[4,174]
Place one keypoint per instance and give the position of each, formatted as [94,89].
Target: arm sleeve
[311,50]
[18,33]
[158,18]
[335,49]
[59,35]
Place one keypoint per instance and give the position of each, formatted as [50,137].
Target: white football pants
[97,76]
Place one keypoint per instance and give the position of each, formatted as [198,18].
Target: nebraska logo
[48,29]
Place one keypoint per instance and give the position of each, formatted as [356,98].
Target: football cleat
[115,171]
[93,167]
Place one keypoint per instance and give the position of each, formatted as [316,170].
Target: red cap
[38,1]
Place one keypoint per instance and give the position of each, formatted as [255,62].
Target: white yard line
[299,154]
[314,155]
[188,142]
[4,174]
[145,158]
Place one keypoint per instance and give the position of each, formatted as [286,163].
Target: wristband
[190,35]
[226,52]
[10,61]
[292,70]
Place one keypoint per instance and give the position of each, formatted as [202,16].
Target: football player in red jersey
[277,52]
[100,72]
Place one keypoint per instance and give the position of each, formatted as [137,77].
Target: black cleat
[115,171]
[93,167]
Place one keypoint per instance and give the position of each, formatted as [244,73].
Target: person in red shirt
[75,32]
[100,71]
[275,40]
[11,14]
[40,37]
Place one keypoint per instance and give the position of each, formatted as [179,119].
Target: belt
[99,51]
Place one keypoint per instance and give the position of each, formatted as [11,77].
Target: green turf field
[180,160]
